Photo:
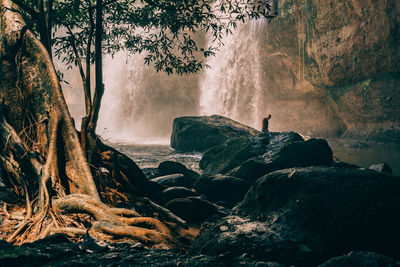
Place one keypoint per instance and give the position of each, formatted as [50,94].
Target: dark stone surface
[150,173]
[331,210]
[362,259]
[381,167]
[171,167]
[203,132]
[60,252]
[191,209]
[235,151]
[224,157]
[235,236]
[173,180]
[251,158]
[177,192]
[227,189]
[312,152]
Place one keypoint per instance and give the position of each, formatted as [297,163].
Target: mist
[140,103]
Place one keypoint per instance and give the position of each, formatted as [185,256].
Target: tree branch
[88,52]
[99,87]
[27,8]
[77,57]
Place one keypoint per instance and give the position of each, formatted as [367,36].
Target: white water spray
[233,85]
[140,103]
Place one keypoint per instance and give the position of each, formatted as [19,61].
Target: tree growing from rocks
[73,182]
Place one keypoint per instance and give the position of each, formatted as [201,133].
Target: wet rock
[312,152]
[361,258]
[171,167]
[251,158]
[203,132]
[381,167]
[177,192]
[210,208]
[190,210]
[227,189]
[172,180]
[237,237]
[330,210]
[224,157]
[150,173]
[341,164]
[235,151]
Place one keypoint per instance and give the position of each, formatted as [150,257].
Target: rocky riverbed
[253,199]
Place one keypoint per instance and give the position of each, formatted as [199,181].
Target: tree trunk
[99,86]
[36,105]
[44,159]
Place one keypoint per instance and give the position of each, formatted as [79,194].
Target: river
[149,153]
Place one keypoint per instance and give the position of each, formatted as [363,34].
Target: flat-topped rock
[198,133]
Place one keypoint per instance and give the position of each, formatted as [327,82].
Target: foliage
[165,30]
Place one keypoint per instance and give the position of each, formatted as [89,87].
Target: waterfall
[140,103]
[233,85]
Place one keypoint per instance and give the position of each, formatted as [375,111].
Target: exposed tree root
[65,230]
[42,156]
[111,221]
[148,237]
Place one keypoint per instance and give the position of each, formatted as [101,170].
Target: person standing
[265,123]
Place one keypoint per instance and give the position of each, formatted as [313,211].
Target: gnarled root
[117,224]
[150,238]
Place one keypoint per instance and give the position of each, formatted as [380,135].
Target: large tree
[43,157]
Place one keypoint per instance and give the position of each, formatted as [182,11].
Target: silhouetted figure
[265,123]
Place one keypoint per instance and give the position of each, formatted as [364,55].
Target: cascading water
[140,103]
[233,85]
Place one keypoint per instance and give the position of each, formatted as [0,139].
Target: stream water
[148,154]
[367,155]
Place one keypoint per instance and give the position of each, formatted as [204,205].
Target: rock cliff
[333,68]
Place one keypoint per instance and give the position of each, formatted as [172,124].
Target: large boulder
[332,211]
[251,158]
[171,180]
[226,189]
[313,152]
[226,156]
[172,167]
[192,209]
[199,133]
[235,151]
[233,237]
[177,192]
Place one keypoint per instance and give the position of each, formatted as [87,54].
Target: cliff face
[337,63]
